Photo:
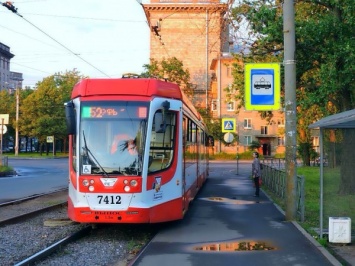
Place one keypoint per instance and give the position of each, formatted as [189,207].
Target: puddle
[233,201]
[236,246]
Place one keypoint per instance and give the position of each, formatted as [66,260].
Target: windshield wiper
[87,152]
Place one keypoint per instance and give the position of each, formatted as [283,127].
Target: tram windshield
[112,137]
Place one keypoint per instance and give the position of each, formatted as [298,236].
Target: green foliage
[280,156]
[171,69]
[324,54]
[324,49]
[5,169]
[43,110]
[248,155]
[214,127]
[254,145]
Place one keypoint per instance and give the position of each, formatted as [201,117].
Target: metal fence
[274,178]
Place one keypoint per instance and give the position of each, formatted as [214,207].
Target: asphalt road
[35,176]
[227,225]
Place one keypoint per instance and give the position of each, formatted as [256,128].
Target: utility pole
[207,52]
[290,108]
[17,112]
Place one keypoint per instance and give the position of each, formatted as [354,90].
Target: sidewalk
[226,225]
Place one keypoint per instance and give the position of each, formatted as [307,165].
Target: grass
[334,204]
[35,155]
[312,187]
[5,169]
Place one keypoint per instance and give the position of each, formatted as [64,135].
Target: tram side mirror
[210,141]
[165,107]
[70,117]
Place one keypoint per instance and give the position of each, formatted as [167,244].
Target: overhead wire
[65,47]
[14,10]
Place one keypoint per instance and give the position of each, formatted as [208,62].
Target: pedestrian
[256,172]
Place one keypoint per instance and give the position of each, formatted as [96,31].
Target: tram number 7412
[109,199]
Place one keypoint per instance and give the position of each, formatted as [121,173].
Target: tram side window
[74,152]
[162,141]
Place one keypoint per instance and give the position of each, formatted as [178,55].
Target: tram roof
[126,86]
[146,87]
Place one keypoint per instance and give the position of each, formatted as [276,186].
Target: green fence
[274,179]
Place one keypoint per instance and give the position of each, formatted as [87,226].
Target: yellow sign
[262,86]
[229,125]
[50,139]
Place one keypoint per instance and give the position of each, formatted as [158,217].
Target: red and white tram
[129,144]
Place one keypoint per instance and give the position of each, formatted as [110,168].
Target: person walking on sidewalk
[256,172]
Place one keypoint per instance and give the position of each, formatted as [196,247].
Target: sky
[100,39]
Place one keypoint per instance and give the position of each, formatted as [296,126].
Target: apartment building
[195,32]
[8,80]
[250,126]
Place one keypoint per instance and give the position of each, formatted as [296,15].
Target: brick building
[195,32]
[250,126]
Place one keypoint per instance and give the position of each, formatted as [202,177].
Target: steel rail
[20,217]
[54,247]
[30,197]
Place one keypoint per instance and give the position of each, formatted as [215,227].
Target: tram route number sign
[262,86]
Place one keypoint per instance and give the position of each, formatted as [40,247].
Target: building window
[281,141]
[214,105]
[247,140]
[263,130]
[230,106]
[281,122]
[247,123]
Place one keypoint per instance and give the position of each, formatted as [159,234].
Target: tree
[324,52]
[7,107]
[42,112]
[170,69]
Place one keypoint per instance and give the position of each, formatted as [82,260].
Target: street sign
[228,137]
[4,119]
[262,86]
[228,125]
[50,139]
[3,129]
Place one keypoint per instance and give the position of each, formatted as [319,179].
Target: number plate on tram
[109,201]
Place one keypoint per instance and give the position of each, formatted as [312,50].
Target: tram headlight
[91,188]
[125,182]
[127,188]
[134,183]
[85,182]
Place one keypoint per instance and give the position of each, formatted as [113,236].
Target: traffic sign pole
[290,108]
[2,130]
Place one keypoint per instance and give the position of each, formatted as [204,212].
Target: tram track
[55,247]
[14,211]
[21,200]
[44,234]
[27,215]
